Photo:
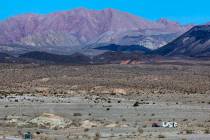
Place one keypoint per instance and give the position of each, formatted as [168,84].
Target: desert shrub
[97,136]
[86,130]
[161,136]
[184,120]
[140,130]
[77,114]
[144,126]
[124,120]
[188,131]
[207,131]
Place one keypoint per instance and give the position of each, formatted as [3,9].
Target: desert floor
[105,101]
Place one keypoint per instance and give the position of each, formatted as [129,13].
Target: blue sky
[184,11]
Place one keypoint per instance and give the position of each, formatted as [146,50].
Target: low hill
[54,58]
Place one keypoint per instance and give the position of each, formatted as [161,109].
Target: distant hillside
[119,57]
[6,58]
[62,59]
[119,48]
[4,55]
[194,43]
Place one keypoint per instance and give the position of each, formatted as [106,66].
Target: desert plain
[106,102]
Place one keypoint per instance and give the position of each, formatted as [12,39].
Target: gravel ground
[106,101]
[115,118]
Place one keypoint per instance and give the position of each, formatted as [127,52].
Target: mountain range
[82,30]
[83,36]
[194,43]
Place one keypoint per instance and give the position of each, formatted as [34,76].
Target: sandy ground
[108,102]
[112,117]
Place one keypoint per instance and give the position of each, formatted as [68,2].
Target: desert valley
[103,75]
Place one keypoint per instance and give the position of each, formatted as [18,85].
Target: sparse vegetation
[153,114]
[97,136]
[189,131]
[77,114]
[86,129]
[160,136]
[140,131]
[144,126]
[141,87]
[207,131]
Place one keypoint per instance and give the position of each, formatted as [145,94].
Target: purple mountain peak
[79,27]
[166,21]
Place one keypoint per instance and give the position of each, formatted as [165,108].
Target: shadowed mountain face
[194,43]
[76,29]
[3,55]
[118,48]
[6,58]
[116,57]
[119,57]
[148,38]
[59,59]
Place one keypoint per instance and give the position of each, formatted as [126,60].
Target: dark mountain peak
[201,27]
[194,43]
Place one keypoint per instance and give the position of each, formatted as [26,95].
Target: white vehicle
[169,124]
